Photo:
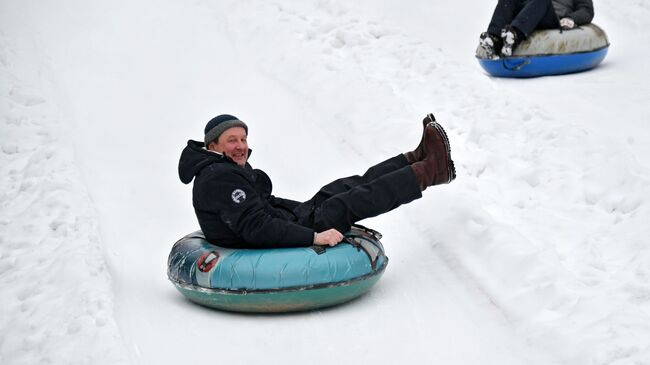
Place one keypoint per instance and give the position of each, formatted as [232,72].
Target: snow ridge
[56,290]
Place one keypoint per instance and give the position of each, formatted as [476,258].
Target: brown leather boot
[419,152]
[437,166]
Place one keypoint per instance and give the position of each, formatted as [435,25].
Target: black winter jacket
[581,11]
[234,204]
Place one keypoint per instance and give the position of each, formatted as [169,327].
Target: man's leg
[504,13]
[536,14]
[380,169]
[378,196]
[304,212]
[344,184]
[386,192]
[549,20]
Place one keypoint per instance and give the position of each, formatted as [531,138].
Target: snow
[536,254]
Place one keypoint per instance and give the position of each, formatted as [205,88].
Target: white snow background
[537,254]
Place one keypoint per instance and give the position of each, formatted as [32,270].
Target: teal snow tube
[279,279]
[551,52]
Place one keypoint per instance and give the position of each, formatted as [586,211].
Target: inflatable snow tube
[551,52]
[279,279]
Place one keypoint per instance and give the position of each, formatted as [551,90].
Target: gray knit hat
[220,124]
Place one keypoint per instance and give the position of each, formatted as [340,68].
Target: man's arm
[583,12]
[284,203]
[243,211]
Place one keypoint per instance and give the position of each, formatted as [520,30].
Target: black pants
[525,15]
[346,201]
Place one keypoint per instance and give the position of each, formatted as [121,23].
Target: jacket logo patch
[238,196]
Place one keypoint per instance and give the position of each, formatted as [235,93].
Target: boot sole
[452,168]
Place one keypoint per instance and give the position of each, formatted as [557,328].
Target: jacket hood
[195,157]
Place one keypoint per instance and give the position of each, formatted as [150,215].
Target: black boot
[491,45]
[511,37]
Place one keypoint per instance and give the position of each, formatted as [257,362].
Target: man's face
[233,144]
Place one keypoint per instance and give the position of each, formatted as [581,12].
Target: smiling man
[235,207]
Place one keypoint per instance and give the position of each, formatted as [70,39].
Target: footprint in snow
[25,99]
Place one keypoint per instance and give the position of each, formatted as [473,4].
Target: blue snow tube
[278,279]
[551,52]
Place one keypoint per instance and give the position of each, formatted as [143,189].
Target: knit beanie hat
[220,124]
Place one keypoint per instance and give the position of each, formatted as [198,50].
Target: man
[235,208]
[514,20]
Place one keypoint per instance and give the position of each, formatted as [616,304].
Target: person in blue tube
[514,20]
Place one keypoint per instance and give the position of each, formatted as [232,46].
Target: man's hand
[567,23]
[330,237]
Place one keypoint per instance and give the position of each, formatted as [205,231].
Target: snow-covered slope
[57,295]
[535,254]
